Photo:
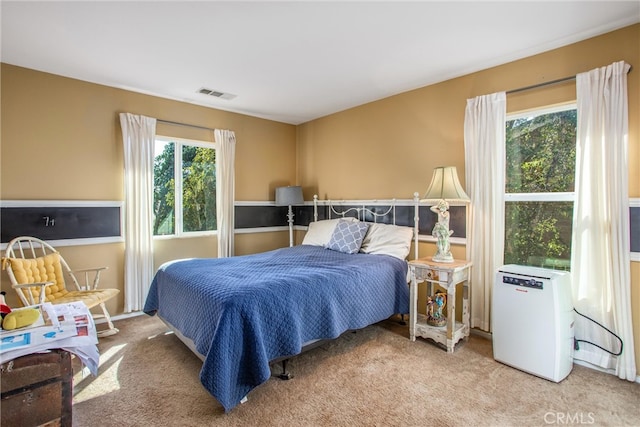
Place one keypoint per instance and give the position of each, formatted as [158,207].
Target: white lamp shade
[445,186]
[288,196]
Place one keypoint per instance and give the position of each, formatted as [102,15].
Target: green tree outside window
[196,186]
[540,161]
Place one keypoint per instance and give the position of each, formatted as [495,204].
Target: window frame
[179,232]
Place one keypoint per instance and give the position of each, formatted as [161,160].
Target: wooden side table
[37,389]
[446,275]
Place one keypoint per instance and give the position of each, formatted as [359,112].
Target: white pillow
[388,239]
[319,232]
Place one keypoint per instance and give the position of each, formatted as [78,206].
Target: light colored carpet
[375,377]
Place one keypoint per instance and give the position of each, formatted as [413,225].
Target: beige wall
[61,140]
[389,148]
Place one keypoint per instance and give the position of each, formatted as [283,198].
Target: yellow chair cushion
[90,298]
[44,269]
[49,269]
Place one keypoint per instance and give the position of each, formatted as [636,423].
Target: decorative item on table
[4,308]
[289,196]
[444,188]
[435,309]
[18,318]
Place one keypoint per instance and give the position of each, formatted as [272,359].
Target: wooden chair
[37,273]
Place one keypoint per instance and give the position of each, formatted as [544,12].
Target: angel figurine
[442,233]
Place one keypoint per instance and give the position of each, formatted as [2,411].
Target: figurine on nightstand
[442,233]
[435,307]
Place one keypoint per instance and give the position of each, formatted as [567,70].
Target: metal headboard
[362,210]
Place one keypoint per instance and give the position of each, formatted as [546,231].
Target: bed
[240,314]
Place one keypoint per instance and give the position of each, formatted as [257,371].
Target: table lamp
[444,188]
[288,196]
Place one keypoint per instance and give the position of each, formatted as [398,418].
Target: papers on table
[66,326]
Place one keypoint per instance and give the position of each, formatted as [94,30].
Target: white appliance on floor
[532,321]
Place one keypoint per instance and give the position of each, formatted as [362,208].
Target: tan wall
[389,148]
[61,140]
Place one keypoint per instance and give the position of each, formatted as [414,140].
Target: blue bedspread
[241,312]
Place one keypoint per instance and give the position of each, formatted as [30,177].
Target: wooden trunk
[37,389]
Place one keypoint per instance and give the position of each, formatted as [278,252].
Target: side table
[446,275]
[37,390]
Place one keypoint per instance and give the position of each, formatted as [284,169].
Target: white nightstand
[446,275]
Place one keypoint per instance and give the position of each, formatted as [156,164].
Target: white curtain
[225,190]
[600,267]
[484,142]
[138,137]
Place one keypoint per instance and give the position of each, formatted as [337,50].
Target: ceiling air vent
[216,93]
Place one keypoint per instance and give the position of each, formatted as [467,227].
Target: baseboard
[120,317]
[597,368]
[487,335]
[482,334]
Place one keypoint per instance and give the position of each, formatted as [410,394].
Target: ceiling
[290,61]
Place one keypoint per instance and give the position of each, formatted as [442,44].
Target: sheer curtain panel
[138,137]
[484,144]
[600,267]
[225,190]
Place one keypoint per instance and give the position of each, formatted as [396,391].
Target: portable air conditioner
[533,320]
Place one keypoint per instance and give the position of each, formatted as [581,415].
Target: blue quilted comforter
[242,312]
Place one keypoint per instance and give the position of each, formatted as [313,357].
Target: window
[539,193]
[184,202]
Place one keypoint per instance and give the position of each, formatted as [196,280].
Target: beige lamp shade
[445,186]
